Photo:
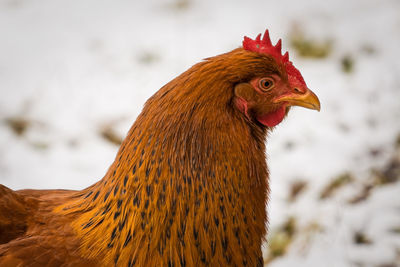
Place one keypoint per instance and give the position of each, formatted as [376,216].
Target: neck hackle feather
[189,184]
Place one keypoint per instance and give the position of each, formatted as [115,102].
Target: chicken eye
[266,84]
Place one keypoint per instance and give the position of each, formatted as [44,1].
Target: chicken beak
[303,98]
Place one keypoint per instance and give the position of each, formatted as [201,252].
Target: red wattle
[274,118]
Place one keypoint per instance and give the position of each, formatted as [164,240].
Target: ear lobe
[241,104]
[245,91]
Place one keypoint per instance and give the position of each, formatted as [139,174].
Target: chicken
[189,184]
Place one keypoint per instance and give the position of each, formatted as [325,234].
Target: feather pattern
[188,186]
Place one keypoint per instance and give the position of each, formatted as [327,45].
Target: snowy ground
[70,70]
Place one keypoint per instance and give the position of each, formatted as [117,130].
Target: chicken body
[188,187]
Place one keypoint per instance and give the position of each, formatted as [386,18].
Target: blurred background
[75,74]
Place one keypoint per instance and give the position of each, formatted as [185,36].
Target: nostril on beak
[298,90]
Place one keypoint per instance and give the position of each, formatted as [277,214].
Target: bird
[189,184]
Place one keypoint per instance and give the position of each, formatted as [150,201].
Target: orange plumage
[188,186]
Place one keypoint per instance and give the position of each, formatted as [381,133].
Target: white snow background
[73,68]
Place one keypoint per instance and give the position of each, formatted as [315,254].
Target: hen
[189,184]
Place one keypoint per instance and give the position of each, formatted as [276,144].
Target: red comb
[265,46]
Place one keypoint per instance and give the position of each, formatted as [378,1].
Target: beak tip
[318,106]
